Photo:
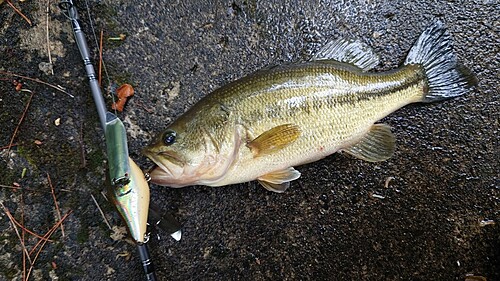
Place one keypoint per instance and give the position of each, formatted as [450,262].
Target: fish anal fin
[274,187]
[348,51]
[279,181]
[274,139]
[377,145]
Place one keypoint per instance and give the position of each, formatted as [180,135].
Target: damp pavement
[431,212]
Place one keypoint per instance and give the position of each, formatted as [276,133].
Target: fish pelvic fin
[446,77]
[377,145]
[279,181]
[274,139]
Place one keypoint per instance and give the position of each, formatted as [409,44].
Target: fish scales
[333,111]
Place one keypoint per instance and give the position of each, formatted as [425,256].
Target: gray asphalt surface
[431,212]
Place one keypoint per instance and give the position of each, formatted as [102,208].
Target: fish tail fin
[446,77]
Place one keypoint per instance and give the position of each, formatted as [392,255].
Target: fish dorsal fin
[274,139]
[377,145]
[349,51]
[279,181]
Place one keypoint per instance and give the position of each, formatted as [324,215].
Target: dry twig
[26,229]
[23,236]
[82,149]
[55,202]
[48,40]
[7,146]
[50,232]
[20,121]
[29,189]
[59,88]
[19,188]
[19,12]
[100,210]
[11,219]
[47,235]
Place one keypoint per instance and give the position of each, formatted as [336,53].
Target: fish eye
[169,137]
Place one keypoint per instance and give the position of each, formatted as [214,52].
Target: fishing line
[97,46]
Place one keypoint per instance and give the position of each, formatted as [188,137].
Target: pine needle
[55,203]
[48,39]
[11,219]
[47,235]
[19,12]
[100,211]
[20,121]
[57,87]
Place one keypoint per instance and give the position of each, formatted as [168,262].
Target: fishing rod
[129,187]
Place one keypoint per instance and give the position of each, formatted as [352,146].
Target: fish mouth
[162,175]
[171,157]
[159,175]
[166,167]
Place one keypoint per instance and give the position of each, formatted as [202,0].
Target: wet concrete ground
[431,212]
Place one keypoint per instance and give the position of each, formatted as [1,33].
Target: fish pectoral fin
[274,139]
[279,181]
[377,145]
[349,51]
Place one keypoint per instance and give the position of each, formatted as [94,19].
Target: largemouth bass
[261,126]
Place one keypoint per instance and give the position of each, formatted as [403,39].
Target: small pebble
[45,67]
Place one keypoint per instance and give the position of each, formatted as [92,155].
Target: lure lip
[177,235]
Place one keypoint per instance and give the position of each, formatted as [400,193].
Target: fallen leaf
[109,270]
[118,233]
[120,37]
[118,105]
[123,92]
[174,92]
[124,254]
